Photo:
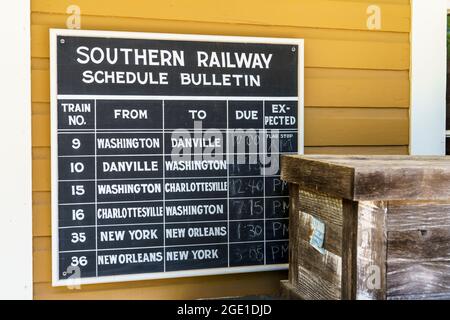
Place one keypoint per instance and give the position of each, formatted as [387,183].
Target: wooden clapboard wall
[356,98]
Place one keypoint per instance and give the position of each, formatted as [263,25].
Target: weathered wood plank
[316,275]
[322,206]
[418,278]
[349,243]
[404,183]
[418,245]
[371,253]
[418,261]
[316,175]
[442,296]
[418,215]
[314,287]
[398,178]
[293,233]
[326,266]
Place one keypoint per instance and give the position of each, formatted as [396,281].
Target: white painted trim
[16,267]
[428,76]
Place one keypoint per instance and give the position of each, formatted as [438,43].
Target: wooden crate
[368,227]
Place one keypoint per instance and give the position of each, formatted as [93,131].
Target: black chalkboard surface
[166,153]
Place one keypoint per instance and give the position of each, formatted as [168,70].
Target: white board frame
[54,145]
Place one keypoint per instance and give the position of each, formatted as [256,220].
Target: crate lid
[371,177]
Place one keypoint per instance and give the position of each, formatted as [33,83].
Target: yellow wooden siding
[306,13]
[356,99]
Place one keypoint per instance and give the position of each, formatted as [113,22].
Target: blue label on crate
[318,235]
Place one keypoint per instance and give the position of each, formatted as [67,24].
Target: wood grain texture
[442,296]
[419,245]
[371,251]
[425,278]
[418,261]
[316,176]
[418,215]
[349,247]
[320,205]
[312,286]
[294,229]
[430,181]
[325,266]
[316,275]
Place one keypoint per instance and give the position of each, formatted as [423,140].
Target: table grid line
[164,183]
[95,187]
[167,178]
[171,222]
[175,246]
[168,130]
[227,131]
[228,186]
[169,200]
[160,154]
[264,185]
